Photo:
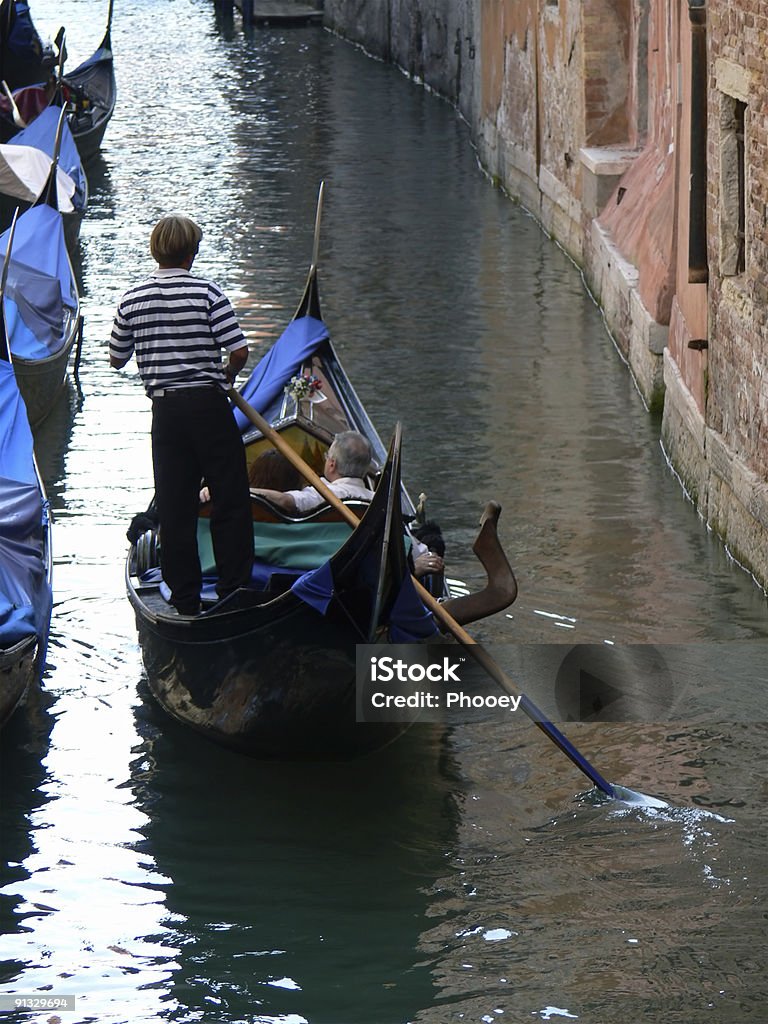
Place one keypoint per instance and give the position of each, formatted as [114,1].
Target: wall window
[733,185]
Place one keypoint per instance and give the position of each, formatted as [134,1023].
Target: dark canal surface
[456,877]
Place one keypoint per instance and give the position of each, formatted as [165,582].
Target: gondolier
[178,325]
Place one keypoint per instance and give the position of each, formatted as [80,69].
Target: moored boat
[88,93]
[41,303]
[25,545]
[24,60]
[91,96]
[27,159]
[270,671]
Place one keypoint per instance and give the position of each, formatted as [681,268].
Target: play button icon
[602,683]
[595,696]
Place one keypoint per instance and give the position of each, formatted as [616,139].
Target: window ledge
[608,160]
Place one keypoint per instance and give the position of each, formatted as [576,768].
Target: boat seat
[288,547]
[265,511]
[285,546]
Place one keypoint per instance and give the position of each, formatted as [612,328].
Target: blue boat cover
[23,38]
[97,57]
[25,593]
[409,620]
[41,133]
[315,587]
[39,284]
[264,388]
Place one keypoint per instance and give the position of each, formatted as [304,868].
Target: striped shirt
[177,325]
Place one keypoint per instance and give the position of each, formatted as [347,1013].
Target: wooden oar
[18,120]
[481,656]
[7,261]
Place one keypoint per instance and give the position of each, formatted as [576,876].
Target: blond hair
[173,240]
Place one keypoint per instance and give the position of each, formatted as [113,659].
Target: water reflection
[646,902]
[292,888]
[22,776]
[52,438]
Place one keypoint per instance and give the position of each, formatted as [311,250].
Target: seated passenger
[273,470]
[270,469]
[428,549]
[347,462]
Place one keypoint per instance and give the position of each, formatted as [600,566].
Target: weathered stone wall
[506,125]
[433,41]
[736,408]
[581,110]
[738,396]
[606,27]
[541,84]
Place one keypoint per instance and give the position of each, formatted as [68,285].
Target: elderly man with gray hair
[347,462]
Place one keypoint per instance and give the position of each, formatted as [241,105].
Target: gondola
[270,671]
[27,68]
[24,60]
[41,303]
[91,94]
[25,544]
[27,159]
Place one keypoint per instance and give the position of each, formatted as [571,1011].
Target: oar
[480,655]
[18,120]
[318,216]
[7,259]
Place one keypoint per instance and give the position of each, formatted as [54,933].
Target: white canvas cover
[24,171]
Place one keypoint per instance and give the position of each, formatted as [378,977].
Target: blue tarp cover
[41,133]
[96,58]
[264,388]
[315,587]
[409,620]
[25,594]
[39,284]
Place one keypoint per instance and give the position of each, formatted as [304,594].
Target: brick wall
[737,406]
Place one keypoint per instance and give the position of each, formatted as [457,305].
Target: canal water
[467,875]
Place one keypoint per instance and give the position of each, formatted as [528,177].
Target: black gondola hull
[42,380]
[275,677]
[18,668]
[259,690]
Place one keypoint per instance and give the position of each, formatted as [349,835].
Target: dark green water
[455,877]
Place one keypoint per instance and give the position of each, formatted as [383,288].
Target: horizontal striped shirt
[177,325]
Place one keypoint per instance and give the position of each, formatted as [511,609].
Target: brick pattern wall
[737,404]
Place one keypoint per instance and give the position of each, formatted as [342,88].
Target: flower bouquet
[304,385]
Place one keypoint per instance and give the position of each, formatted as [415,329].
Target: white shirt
[343,487]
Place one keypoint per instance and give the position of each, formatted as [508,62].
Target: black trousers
[194,436]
